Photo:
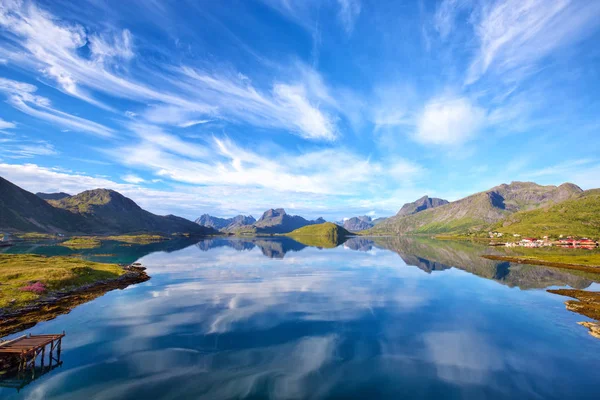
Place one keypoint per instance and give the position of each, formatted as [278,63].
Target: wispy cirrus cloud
[22,97]
[57,49]
[223,162]
[349,12]
[22,148]
[513,35]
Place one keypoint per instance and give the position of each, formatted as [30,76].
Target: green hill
[320,235]
[476,212]
[22,211]
[578,217]
[99,212]
[111,212]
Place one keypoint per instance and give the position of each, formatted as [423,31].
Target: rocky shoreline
[587,304]
[62,302]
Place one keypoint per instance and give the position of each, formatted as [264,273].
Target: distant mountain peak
[421,204]
[225,223]
[273,213]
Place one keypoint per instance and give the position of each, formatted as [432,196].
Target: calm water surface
[272,318]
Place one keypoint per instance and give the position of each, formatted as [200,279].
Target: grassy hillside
[22,211]
[110,212]
[99,211]
[579,217]
[475,213]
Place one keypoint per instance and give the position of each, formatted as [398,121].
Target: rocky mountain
[577,216]
[479,211]
[111,212]
[23,211]
[52,196]
[99,211]
[423,203]
[226,224]
[277,221]
[356,224]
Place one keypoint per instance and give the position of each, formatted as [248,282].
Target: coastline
[587,303]
[62,302]
[538,261]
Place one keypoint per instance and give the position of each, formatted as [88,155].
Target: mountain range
[99,211]
[272,221]
[519,207]
[226,224]
[478,211]
[357,224]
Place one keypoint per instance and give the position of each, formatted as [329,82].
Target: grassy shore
[25,278]
[583,261]
[36,236]
[135,239]
[90,242]
[82,242]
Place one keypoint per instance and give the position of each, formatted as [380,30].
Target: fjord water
[273,318]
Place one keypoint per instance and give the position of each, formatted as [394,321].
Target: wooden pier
[22,353]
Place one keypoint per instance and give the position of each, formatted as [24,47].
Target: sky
[331,108]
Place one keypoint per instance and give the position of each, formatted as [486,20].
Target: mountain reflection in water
[429,256]
[269,317]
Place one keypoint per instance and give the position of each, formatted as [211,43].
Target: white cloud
[179,95]
[449,121]
[514,34]
[114,46]
[6,124]
[188,124]
[131,178]
[311,122]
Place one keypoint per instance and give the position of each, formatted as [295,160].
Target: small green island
[90,242]
[326,235]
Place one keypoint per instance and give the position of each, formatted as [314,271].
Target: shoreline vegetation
[37,288]
[580,262]
[93,241]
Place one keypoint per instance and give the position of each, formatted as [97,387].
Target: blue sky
[326,108]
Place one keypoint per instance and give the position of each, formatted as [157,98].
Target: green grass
[82,242]
[326,235]
[557,255]
[56,273]
[36,236]
[576,217]
[135,239]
